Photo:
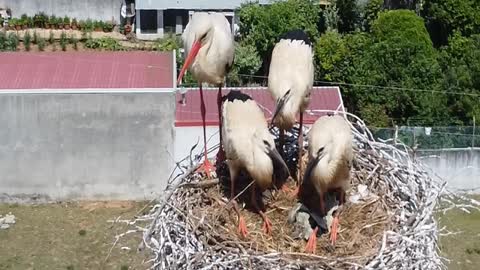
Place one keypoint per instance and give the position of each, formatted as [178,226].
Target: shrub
[3,41]
[51,37]
[27,40]
[108,26]
[105,43]
[12,42]
[41,44]
[88,25]
[52,20]
[35,37]
[63,41]
[74,41]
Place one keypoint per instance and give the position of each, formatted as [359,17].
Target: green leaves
[261,26]
[247,62]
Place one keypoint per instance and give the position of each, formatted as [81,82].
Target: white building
[156,18]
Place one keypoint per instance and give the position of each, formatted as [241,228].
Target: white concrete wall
[84,9]
[459,167]
[186,137]
[86,145]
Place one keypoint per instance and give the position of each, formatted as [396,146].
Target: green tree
[446,16]
[247,62]
[348,14]
[401,63]
[371,11]
[460,62]
[332,57]
[261,26]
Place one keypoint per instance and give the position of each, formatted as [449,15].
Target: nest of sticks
[193,226]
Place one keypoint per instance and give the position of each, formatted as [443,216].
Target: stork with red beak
[208,43]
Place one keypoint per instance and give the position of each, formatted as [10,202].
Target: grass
[69,236]
[77,236]
[463,249]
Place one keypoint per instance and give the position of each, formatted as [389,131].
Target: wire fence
[432,137]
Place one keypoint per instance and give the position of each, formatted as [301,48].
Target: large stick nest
[194,226]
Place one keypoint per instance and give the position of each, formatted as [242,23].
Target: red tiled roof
[70,70]
[323,98]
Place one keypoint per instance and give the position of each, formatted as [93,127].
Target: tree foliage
[446,16]
[460,62]
[247,62]
[348,14]
[391,69]
[262,25]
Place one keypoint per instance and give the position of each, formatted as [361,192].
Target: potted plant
[98,26]
[108,26]
[66,23]
[52,20]
[46,23]
[24,21]
[37,20]
[16,24]
[74,24]
[60,23]
[40,20]
[88,25]
[128,28]
[29,22]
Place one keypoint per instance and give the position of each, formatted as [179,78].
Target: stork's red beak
[193,53]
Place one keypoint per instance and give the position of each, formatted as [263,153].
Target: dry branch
[395,230]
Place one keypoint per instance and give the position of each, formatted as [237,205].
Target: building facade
[154,19]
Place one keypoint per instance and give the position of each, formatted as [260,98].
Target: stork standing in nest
[330,151]
[249,145]
[290,82]
[208,41]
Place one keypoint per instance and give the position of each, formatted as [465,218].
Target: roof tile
[323,98]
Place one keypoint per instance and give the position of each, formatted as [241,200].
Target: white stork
[290,82]
[249,145]
[330,151]
[208,41]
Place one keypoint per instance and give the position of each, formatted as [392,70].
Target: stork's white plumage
[208,42]
[330,151]
[290,81]
[249,145]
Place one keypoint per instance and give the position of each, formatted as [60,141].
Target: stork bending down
[208,41]
[330,151]
[249,145]
[290,81]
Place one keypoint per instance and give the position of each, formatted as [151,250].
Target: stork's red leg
[221,153]
[207,167]
[242,228]
[311,246]
[336,218]
[267,224]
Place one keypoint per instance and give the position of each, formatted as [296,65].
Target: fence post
[473,134]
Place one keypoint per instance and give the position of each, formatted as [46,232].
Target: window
[148,21]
